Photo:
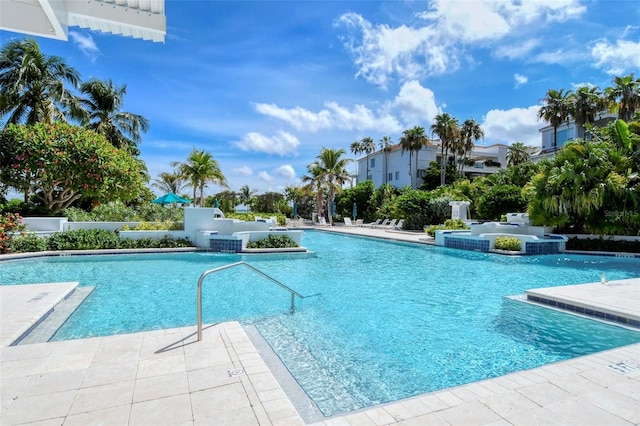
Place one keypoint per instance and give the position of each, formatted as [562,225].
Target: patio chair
[391,224]
[360,222]
[381,225]
[347,222]
[371,224]
[399,224]
[322,221]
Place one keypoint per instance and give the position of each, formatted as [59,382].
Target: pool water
[393,319]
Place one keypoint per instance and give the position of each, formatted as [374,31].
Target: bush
[508,243]
[10,224]
[83,239]
[251,216]
[28,243]
[420,208]
[155,226]
[273,241]
[501,199]
[450,224]
[603,244]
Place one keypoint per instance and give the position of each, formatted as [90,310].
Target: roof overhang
[143,19]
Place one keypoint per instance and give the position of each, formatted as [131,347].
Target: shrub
[420,208]
[83,239]
[451,224]
[603,244]
[508,243]
[10,224]
[501,199]
[273,241]
[28,243]
[155,226]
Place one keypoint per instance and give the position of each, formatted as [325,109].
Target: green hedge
[603,244]
[90,239]
[273,241]
[508,243]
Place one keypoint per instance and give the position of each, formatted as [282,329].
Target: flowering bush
[10,223]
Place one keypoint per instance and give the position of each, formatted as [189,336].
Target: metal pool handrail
[231,265]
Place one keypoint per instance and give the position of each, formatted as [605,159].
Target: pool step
[47,327]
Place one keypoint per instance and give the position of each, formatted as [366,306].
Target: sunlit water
[393,319]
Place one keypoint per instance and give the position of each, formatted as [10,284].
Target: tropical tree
[446,128]
[103,114]
[624,96]
[200,169]
[470,132]
[585,103]
[368,146]
[60,164]
[556,110]
[356,148]
[385,146]
[413,140]
[32,85]
[314,185]
[169,182]
[328,172]
[246,195]
[518,153]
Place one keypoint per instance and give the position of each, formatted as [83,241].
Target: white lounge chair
[372,224]
[359,222]
[347,222]
[381,225]
[391,224]
[399,224]
[322,221]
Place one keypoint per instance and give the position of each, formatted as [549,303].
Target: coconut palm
[32,85]
[385,146]
[356,148]
[103,106]
[585,104]
[169,182]
[624,96]
[555,110]
[200,169]
[413,140]
[518,153]
[245,195]
[368,146]
[470,132]
[314,184]
[446,128]
[333,168]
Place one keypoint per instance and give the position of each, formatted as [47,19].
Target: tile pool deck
[166,377]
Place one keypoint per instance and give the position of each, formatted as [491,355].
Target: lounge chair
[399,224]
[372,224]
[322,221]
[381,225]
[391,224]
[347,222]
[359,222]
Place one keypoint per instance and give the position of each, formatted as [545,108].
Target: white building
[393,166]
[143,19]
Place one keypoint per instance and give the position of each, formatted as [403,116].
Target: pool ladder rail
[241,263]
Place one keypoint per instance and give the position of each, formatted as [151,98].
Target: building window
[420,173]
[478,165]
[390,177]
[397,175]
[373,163]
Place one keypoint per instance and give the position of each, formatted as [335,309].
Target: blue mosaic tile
[466,244]
[226,246]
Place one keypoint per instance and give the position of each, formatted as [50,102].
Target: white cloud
[266,177]
[618,58]
[85,43]
[436,47]
[513,125]
[415,104]
[517,51]
[333,116]
[243,171]
[520,79]
[282,143]
[286,171]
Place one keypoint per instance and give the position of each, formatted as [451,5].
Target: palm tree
[314,184]
[518,153]
[385,146]
[32,85]
[246,195]
[555,110]
[368,146]
[413,140]
[470,132]
[356,148]
[446,128]
[169,182]
[624,96]
[334,171]
[201,168]
[585,103]
[103,106]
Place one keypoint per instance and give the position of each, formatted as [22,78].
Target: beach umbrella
[170,198]
[216,204]
[355,211]
[295,209]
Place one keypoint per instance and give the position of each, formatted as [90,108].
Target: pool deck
[167,377]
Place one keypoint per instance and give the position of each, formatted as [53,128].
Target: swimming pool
[393,319]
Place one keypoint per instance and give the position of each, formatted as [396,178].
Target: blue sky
[264,85]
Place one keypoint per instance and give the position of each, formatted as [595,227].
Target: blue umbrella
[216,204]
[170,198]
[295,210]
[355,211]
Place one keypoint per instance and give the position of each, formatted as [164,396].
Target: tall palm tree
[328,172]
[385,146]
[200,169]
[413,140]
[518,153]
[32,85]
[356,148]
[368,146]
[624,96]
[103,105]
[470,132]
[245,195]
[446,128]
[585,103]
[169,182]
[314,185]
[555,110]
